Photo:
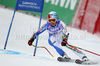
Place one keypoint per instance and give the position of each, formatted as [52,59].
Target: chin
[53,25]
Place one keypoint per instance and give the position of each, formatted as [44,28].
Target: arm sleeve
[65,31]
[42,29]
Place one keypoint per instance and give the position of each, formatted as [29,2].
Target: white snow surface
[22,29]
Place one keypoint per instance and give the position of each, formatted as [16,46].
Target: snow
[22,29]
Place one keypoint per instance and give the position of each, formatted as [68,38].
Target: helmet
[52,14]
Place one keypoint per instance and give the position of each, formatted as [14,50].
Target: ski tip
[53,56]
[4,50]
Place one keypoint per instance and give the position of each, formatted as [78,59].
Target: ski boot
[64,58]
[84,60]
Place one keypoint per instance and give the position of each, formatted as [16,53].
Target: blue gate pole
[37,36]
[9,30]
[10,26]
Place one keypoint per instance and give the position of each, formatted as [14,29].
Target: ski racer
[58,36]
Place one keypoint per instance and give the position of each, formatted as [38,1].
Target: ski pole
[44,48]
[83,49]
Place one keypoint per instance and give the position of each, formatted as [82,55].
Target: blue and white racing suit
[55,36]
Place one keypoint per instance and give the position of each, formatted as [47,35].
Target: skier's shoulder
[60,21]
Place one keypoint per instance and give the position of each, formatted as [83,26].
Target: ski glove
[32,40]
[64,42]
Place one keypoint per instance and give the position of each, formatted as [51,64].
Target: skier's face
[53,24]
[52,21]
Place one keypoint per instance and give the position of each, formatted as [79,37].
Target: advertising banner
[30,5]
[64,8]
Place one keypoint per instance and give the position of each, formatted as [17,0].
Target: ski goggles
[52,20]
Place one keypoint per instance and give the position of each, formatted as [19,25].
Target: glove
[64,42]
[32,40]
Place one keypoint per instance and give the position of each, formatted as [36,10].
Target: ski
[77,61]
[60,59]
[89,62]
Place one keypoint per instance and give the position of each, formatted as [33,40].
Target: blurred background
[80,14]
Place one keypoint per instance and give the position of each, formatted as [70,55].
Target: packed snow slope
[19,53]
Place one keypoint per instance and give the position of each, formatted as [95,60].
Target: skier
[58,35]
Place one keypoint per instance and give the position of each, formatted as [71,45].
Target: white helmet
[52,14]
